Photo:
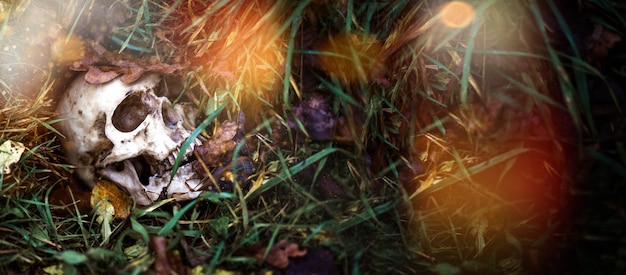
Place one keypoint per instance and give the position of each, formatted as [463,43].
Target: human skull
[128,134]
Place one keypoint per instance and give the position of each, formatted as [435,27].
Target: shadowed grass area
[384,138]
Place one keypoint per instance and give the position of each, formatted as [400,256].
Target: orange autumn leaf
[106,193]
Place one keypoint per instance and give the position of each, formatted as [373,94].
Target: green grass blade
[183,148]
[365,216]
[216,258]
[169,226]
[567,89]
[292,170]
[579,76]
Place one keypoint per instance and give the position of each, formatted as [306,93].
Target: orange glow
[456,14]
[350,57]
[250,58]
[67,49]
[244,49]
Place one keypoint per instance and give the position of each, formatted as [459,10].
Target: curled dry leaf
[103,66]
[96,76]
[133,74]
[315,116]
[213,151]
[280,253]
[166,261]
[215,163]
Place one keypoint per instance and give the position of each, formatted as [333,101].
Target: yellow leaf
[425,184]
[106,194]
[54,269]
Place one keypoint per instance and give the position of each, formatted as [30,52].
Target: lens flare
[457,14]
[350,57]
[67,49]
[252,59]
[240,46]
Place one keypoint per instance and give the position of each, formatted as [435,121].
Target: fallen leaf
[109,203]
[215,150]
[166,261]
[315,116]
[95,75]
[214,158]
[54,269]
[103,66]
[164,68]
[97,48]
[106,192]
[10,153]
[280,253]
[133,74]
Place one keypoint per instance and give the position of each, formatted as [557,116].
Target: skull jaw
[184,186]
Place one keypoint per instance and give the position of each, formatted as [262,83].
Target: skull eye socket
[170,116]
[130,113]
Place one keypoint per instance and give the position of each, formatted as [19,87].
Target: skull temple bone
[130,135]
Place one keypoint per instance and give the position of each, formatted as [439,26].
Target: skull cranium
[129,135]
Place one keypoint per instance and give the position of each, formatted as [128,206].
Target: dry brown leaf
[212,151]
[133,74]
[315,114]
[96,76]
[103,66]
[280,253]
[163,68]
[166,261]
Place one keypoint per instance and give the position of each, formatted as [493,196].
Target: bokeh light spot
[456,14]
[350,57]
[66,50]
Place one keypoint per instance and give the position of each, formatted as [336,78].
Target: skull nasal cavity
[130,113]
